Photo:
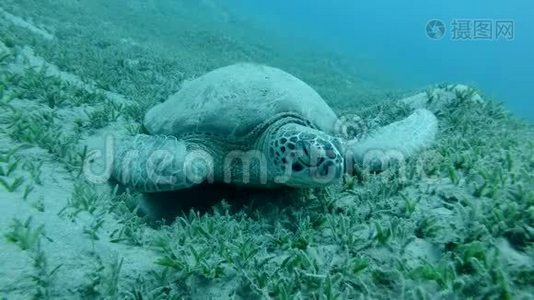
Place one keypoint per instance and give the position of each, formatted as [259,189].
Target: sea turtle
[254,125]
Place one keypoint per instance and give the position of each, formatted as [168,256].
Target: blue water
[392,34]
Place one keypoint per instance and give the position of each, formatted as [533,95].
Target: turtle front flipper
[396,141]
[158,163]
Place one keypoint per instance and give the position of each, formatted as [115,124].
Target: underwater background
[454,221]
[391,35]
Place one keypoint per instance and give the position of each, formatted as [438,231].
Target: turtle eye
[296,167]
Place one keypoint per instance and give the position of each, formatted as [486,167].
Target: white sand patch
[25,24]
[420,250]
[65,241]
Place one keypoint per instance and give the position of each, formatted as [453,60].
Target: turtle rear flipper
[396,141]
[158,163]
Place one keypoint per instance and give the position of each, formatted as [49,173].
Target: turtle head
[301,156]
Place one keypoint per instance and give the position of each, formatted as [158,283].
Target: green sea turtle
[254,125]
